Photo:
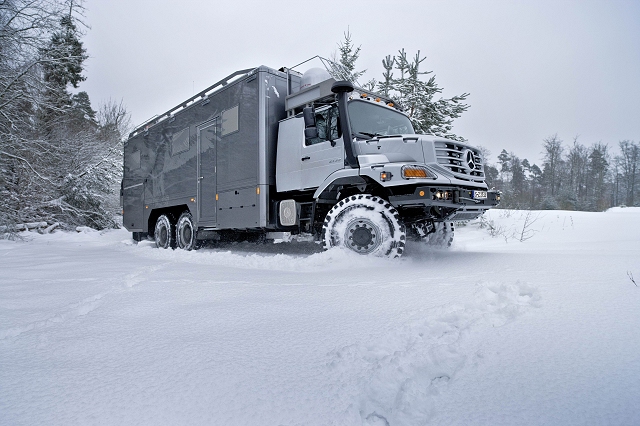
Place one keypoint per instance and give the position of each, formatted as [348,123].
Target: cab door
[323,155]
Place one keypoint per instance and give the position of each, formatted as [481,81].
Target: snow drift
[526,319]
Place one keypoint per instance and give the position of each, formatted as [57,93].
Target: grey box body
[216,156]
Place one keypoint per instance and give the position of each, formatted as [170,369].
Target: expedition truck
[264,152]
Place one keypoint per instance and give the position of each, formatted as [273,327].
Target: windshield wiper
[378,135]
[371,135]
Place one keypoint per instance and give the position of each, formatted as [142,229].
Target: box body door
[207,182]
[132,205]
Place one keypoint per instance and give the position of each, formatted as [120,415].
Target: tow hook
[470,199]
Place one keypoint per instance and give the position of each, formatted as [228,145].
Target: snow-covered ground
[95,329]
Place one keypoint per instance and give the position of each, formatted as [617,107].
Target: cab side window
[328,125]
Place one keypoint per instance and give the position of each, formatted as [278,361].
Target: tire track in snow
[81,308]
[393,381]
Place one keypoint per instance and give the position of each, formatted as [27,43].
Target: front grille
[453,156]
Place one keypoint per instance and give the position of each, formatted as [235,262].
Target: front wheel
[165,233]
[365,224]
[435,234]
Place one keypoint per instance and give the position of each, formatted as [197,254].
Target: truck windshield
[371,120]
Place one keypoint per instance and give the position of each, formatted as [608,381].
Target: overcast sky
[533,68]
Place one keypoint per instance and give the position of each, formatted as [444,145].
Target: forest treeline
[572,176]
[60,160]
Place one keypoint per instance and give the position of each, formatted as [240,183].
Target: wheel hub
[186,234]
[363,236]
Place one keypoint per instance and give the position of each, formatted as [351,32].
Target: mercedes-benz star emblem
[469,160]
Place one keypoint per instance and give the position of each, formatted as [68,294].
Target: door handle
[306,158]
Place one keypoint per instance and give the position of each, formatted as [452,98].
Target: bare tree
[552,166]
[527,231]
[577,167]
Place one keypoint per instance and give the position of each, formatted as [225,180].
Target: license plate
[479,195]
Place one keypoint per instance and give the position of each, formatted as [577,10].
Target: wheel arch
[339,186]
[172,212]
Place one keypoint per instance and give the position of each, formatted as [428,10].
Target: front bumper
[451,203]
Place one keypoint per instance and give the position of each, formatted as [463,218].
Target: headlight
[417,172]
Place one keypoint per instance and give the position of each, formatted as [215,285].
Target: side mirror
[309,117]
[310,129]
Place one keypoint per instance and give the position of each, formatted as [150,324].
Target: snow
[95,329]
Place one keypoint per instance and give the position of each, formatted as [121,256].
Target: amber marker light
[258,190]
[412,172]
[216,197]
[193,200]
[417,172]
[421,193]
[390,104]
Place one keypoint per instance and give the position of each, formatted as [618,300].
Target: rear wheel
[365,224]
[164,233]
[185,232]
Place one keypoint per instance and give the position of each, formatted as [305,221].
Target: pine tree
[81,114]
[503,161]
[62,61]
[598,168]
[629,165]
[347,56]
[535,186]
[416,96]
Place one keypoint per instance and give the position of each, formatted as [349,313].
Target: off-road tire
[443,235]
[365,224]
[165,233]
[435,234]
[186,233]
